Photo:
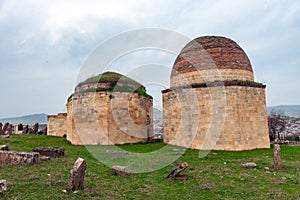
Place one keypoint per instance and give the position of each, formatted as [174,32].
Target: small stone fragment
[5,136]
[178,170]
[45,158]
[4,147]
[119,170]
[249,165]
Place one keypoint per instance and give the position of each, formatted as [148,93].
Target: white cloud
[46,41]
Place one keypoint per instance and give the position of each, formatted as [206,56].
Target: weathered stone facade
[213,102]
[109,118]
[105,116]
[57,125]
[203,76]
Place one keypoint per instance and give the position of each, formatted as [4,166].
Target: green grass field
[216,176]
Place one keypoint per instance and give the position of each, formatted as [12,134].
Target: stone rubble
[4,147]
[50,151]
[249,165]
[119,170]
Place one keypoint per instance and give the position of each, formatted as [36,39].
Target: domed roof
[110,78]
[111,81]
[209,52]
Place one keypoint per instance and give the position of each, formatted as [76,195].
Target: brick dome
[211,58]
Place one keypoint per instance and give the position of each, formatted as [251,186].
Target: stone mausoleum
[106,109]
[213,101]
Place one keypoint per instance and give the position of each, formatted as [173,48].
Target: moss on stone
[220,83]
[112,78]
[117,83]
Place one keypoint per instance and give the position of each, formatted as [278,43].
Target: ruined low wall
[50,151]
[16,158]
[57,124]
[193,118]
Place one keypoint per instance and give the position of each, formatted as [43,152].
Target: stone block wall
[204,76]
[87,118]
[57,125]
[104,118]
[16,158]
[50,151]
[84,87]
[193,119]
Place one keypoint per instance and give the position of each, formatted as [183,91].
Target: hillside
[216,176]
[28,119]
[289,110]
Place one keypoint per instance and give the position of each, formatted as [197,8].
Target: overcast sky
[44,43]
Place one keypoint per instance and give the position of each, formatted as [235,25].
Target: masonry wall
[213,118]
[57,124]
[204,76]
[16,158]
[103,118]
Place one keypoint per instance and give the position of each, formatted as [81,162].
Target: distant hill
[289,110]
[157,114]
[28,119]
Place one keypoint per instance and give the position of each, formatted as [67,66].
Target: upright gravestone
[16,129]
[25,129]
[20,127]
[35,128]
[43,131]
[77,174]
[2,186]
[1,130]
[9,129]
[277,160]
[5,127]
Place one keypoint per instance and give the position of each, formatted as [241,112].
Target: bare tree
[276,123]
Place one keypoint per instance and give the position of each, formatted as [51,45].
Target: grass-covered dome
[111,81]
